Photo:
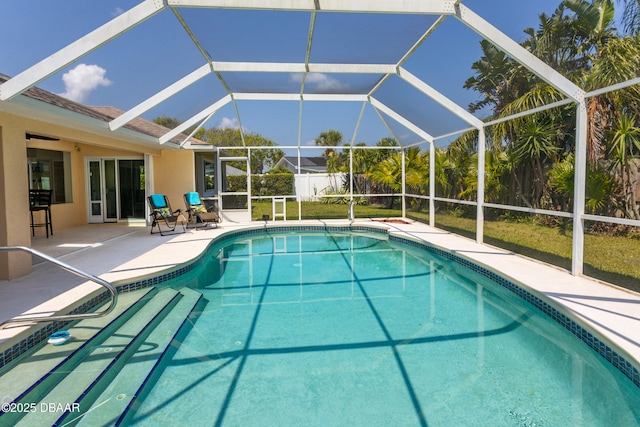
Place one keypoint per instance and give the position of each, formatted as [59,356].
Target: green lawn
[614,259]
[316,210]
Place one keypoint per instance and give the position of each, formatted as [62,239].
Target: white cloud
[320,81]
[82,80]
[231,123]
[227,123]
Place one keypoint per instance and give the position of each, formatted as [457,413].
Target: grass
[615,259]
[316,210]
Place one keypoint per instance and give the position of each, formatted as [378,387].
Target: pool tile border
[600,347]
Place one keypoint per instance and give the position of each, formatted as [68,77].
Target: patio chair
[199,215]
[162,214]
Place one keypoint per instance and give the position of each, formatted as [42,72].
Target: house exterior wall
[174,175]
[174,171]
[14,201]
[74,213]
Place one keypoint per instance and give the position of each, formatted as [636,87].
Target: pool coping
[622,354]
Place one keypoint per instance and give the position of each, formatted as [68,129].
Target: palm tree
[442,164]
[388,173]
[624,141]
[580,41]
[600,188]
[416,170]
[536,143]
[631,16]
[335,160]
[594,28]
[496,78]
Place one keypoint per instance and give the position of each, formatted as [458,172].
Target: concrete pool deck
[119,253]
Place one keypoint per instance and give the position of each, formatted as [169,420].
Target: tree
[388,173]
[624,142]
[600,188]
[261,158]
[168,122]
[580,41]
[631,16]
[330,139]
[496,78]
[172,123]
[536,143]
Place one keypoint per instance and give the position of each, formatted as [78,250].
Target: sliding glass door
[115,189]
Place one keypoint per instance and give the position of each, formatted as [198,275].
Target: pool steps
[128,384]
[83,370]
[26,377]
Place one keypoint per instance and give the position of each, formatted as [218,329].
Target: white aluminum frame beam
[352,68]
[520,54]
[357,128]
[480,181]
[159,97]
[430,7]
[334,97]
[579,188]
[299,67]
[439,98]
[386,124]
[258,67]
[257,96]
[81,47]
[400,119]
[209,111]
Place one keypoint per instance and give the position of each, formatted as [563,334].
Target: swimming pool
[337,328]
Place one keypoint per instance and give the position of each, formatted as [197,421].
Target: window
[205,174]
[209,176]
[50,170]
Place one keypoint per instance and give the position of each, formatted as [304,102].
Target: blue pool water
[337,329]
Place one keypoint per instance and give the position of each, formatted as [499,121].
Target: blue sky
[158,52]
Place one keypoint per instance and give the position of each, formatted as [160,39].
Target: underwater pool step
[74,385]
[29,377]
[123,388]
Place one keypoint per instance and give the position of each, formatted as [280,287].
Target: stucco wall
[14,202]
[74,213]
[174,175]
[174,169]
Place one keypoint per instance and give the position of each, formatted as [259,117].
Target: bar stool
[40,200]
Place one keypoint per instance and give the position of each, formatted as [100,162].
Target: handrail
[66,317]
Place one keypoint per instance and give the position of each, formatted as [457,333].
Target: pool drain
[238,343]
[121,396]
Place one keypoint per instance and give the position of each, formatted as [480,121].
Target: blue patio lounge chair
[162,214]
[199,215]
